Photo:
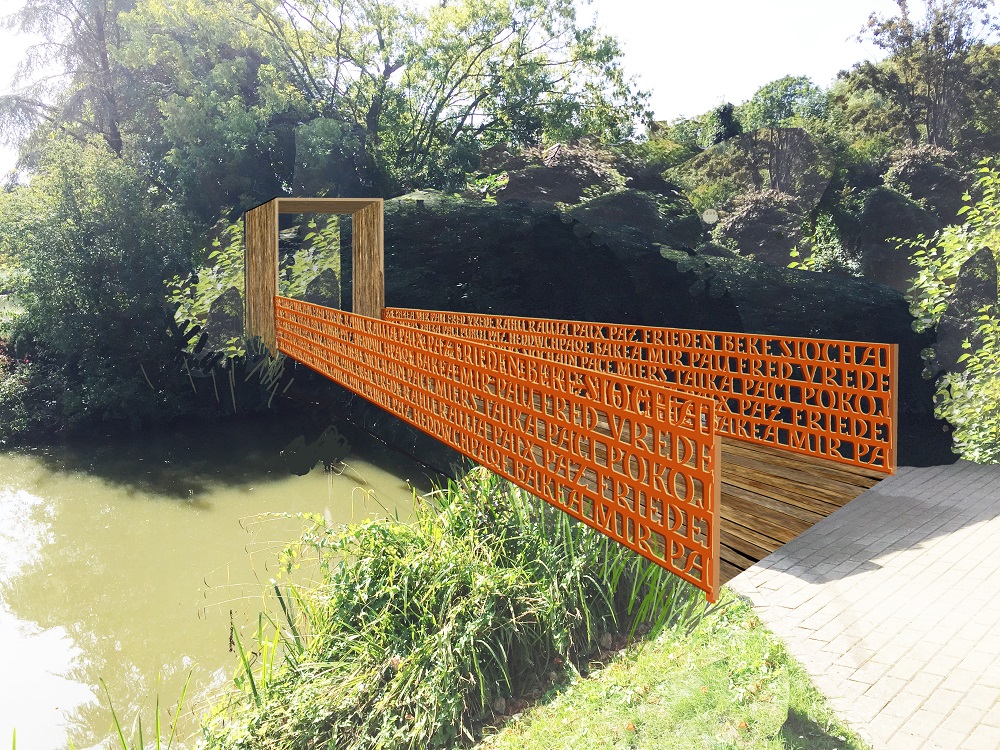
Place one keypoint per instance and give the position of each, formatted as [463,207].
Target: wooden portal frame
[261,257]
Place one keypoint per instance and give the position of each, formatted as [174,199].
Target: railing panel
[637,461]
[831,399]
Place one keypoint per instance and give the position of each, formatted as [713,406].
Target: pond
[127,560]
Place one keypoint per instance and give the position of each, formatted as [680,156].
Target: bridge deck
[770,496]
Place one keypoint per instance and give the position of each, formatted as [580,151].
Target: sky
[690,56]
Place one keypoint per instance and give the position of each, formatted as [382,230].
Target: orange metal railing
[831,399]
[636,460]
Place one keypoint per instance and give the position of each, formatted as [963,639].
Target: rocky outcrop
[765,224]
[324,289]
[225,320]
[886,215]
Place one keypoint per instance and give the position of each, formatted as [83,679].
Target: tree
[784,102]
[95,250]
[423,92]
[84,94]
[725,124]
[929,63]
[222,123]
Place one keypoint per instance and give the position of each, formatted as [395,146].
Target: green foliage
[194,294]
[424,91]
[319,249]
[692,133]
[968,400]
[661,151]
[785,102]
[223,270]
[95,245]
[415,631]
[926,77]
[214,111]
[137,741]
[724,123]
[826,251]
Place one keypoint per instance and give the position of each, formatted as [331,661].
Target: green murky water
[128,560]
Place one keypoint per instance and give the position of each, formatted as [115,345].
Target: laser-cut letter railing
[637,461]
[831,399]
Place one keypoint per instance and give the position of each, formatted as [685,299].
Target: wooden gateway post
[261,258]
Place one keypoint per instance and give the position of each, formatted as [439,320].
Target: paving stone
[940,701]
[910,620]
[982,697]
[886,687]
[962,718]
[905,740]
[906,668]
[924,722]
[871,672]
[983,737]
[961,680]
[943,738]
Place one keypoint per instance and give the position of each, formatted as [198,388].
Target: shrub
[416,631]
[969,400]
[94,246]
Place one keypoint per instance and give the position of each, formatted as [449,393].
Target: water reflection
[130,559]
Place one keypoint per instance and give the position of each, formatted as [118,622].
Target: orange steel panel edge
[894,409]
[801,421]
[447,383]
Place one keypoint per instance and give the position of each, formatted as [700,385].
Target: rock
[975,288]
[931,176]
[225,320]
[886,214]
[563,174]
[766,224]
[672,223]
[324,289]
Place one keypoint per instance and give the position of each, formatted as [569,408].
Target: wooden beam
[368,260]
[324,205]
[260,270]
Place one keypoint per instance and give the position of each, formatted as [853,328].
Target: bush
[415,632]
[94,247]
[969,400]
[766,224]
[929,175]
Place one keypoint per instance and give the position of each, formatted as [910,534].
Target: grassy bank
[417,634]
[431,634]
[727,684]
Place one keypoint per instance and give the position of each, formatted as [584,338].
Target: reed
[416,634]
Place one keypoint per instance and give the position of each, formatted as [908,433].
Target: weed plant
[416,631]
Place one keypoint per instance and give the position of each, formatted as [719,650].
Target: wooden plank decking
[770,496]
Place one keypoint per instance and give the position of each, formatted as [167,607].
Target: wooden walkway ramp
[770,496]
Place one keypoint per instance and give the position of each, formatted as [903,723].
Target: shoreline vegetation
[495,621]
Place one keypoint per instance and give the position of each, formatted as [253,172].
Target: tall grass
[416,631]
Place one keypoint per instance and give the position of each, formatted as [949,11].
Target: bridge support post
[260,268]
[368,258]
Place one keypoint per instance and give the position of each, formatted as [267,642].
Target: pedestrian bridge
[704,451]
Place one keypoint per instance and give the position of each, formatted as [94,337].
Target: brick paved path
[892,604]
